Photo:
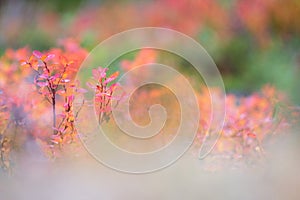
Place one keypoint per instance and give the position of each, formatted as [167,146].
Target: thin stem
[54,110]
[46,67]
[76,115]
[101,103]
[62,74]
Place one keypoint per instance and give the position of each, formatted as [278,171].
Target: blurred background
[253,42]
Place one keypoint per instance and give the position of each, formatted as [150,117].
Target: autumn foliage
[37,97]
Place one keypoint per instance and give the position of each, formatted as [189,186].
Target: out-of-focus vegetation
[252,42]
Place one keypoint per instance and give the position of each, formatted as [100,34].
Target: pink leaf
[49,57]
[23,62]
[42,84]
[61,92]
[114,86]
[62,115]
[70,98]
[66,105]
[43,76]
[55,76]
[112,77]
[66,80]
[37,54]
[99,73]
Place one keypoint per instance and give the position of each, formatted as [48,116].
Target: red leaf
[251,135]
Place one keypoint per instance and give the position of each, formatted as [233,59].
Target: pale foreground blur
[85,178]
